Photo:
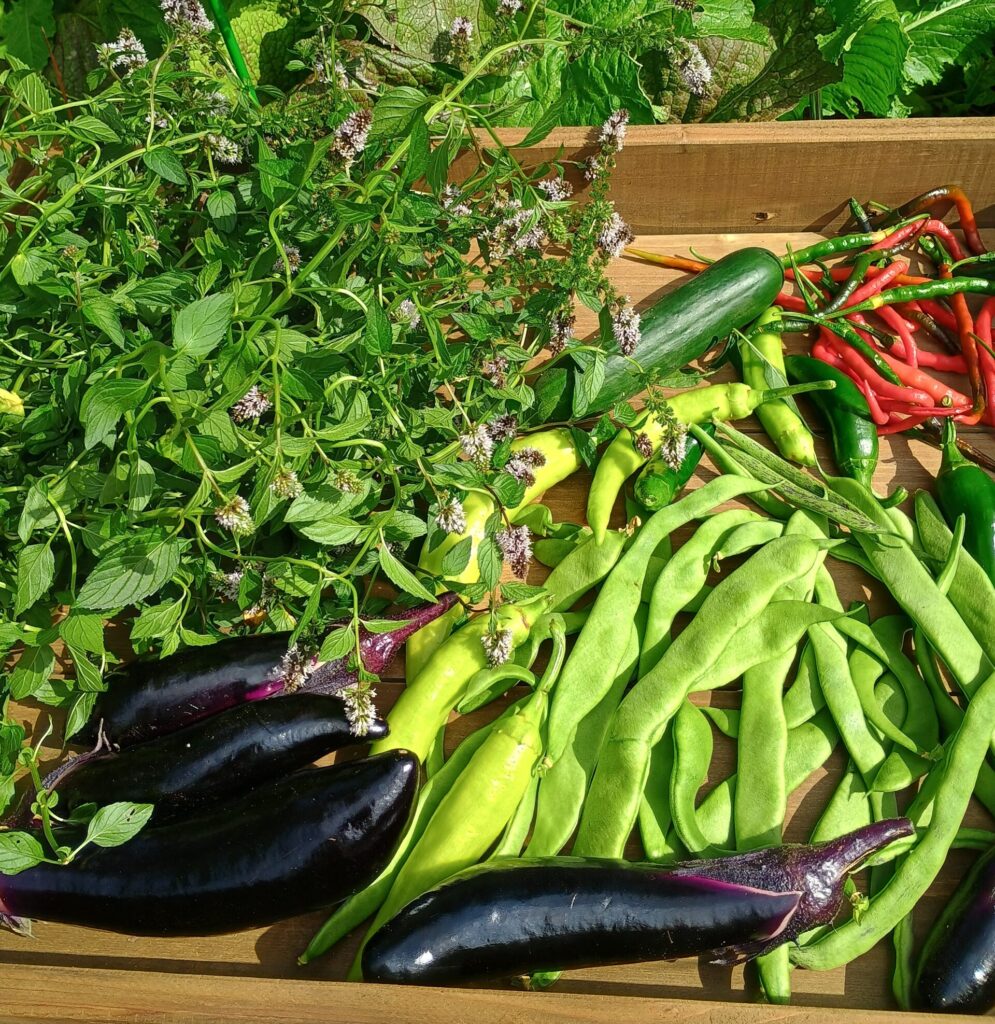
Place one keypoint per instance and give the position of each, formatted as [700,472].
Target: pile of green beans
[615,741]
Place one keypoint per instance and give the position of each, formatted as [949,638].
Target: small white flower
[407,313]
[522,464]
[495,370]
[497,646]
[503,428]
[509,7]
[612,134]
[224,150]
[477,445]
[673,448]
[125,54]
[515,543]
[251,405]
[345,480]
[226,584]
[625,328]
[351,136]
[295,668]
[561,331]
[592,168]
[693,68]
[293,260]
[615,236]
[556,190]
[186,16]
[461,31]
[451,518]
[286,485]
[359,707]
[642,443]
[235,515]
[216,103]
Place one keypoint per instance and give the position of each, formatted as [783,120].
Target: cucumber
[680,327]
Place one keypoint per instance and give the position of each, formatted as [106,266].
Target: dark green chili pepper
[962,488]
[658,484]
[844,329]
[849,286]
[846,413]
[859,215]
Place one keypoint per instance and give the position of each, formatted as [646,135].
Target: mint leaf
[84,631]
[200,327]
[337,644]
[32,671]
[103,313]
[79,713]
[401,576]
[92,128]
[135,569]
[35,572]
[87,674]
[18,852]
[457,558]
[222,208]
[117,823]
[395,111]
[378,334]
[166,164]
[157,620]
[105,403]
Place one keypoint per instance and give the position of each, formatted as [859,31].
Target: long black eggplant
[299,844]
[150,698]
[518,916]
[211,760]
[956,972]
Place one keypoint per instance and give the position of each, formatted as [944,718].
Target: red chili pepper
[881,387]
[898,324]
[939,313]
[897,424]
[877,283]
[939,392]
[945,197]
[822,351]
[983,329]
[965,330]
[902,234]
[790,302]
[949,239]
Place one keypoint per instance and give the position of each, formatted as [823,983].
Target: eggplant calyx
[18,925]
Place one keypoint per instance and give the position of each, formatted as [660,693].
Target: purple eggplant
[151,698]
[296,845]
[517,916]
[212,760]
[956,972]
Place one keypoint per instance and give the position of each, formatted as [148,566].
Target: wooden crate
[716,188]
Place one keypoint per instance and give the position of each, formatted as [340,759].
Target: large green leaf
[793,68]
[944,32]
[24,27]
[420,28]
[729,19]
[600,81]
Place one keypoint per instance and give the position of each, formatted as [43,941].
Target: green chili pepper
[631,449]
[561,460]
[845,411]
[658,483]
[962,488]
[762,360]
[425,704]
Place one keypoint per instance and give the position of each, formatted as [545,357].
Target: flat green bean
[726,720]
[620,777]
[903,939]
[563,786]
[916,872]
[588,673]
[748,536]
[804,697]
[692,747]
[682,578]
[655,817]
[849,808]
[584,567]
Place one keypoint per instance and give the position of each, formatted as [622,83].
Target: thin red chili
[947,195]
[983,329]
[822,350]
[939,313]
[938,391]
[903,233]
[899,325]
[880,386]
[877,283]
[965,331]
[949,239]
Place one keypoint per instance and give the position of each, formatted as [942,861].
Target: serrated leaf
[79,713]
[587,385]
[92,128]
[157,620]
[103,313]
[330,531]
[166,164]
[223,209]
[422,29]
[35,572]
[115,824]
[200,326]
[944,32]
[401,576]
[105,403]
[489,561]
[378,333]
[83,631]
[87,674]
[477,327]
[32,671]
[134,570]
[395,111]
[457,558]
[18,852]
[339,643]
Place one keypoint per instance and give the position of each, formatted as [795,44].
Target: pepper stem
[796,389]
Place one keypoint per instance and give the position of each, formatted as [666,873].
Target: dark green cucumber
[681,327]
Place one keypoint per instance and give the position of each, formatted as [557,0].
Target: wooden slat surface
[781,176]
[68,973]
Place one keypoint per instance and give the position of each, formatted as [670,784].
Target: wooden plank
[33,994]
[775,176]
[234,977]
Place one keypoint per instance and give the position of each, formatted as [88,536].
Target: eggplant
[956,972]
[151,698]
[293,846]
[211,760]
[517,916]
